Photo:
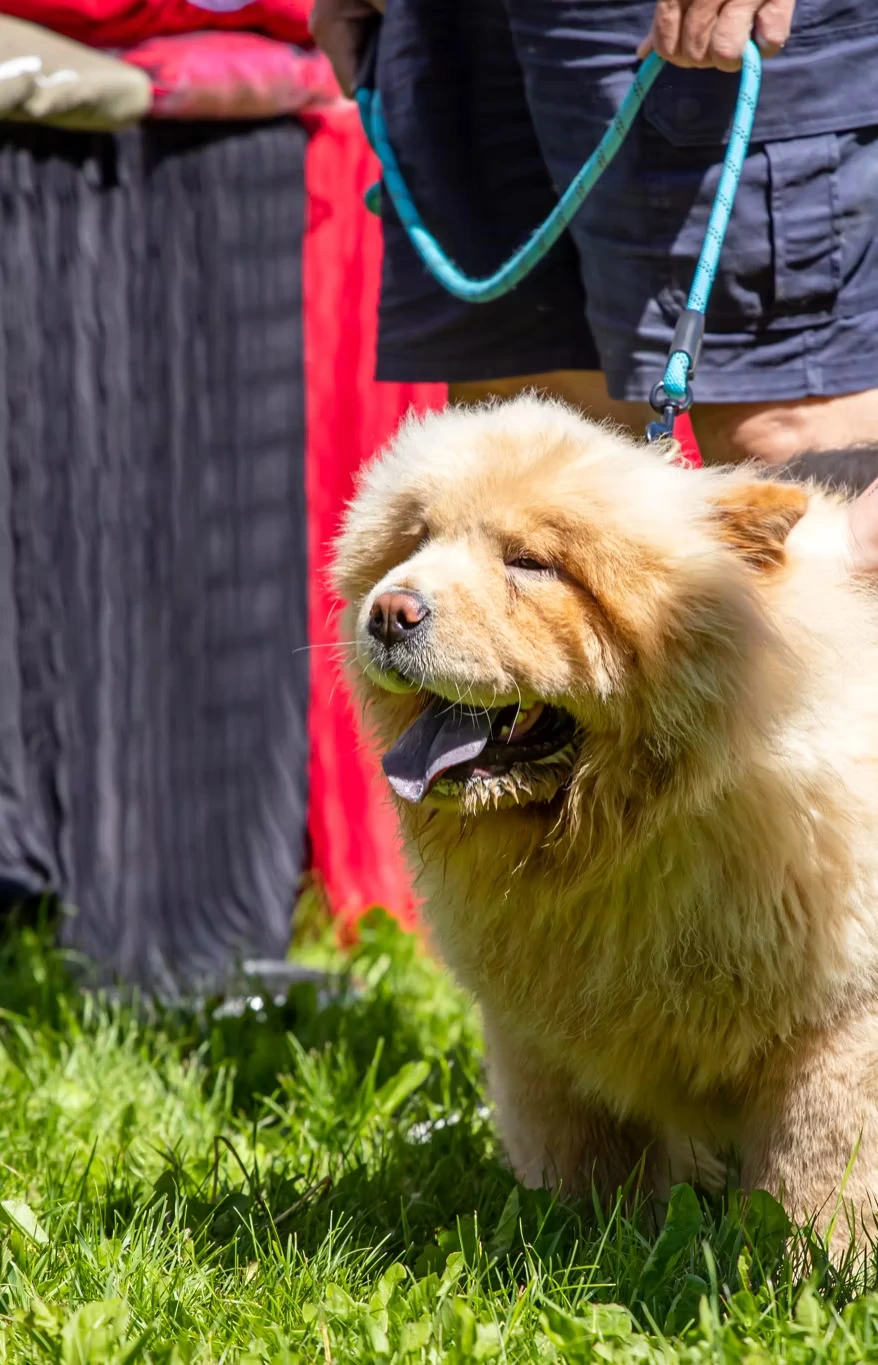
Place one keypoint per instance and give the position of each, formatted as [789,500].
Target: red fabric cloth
[355,847]
[232,76]
[686,437]
[121,23]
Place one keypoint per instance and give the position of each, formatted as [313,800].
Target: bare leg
[552,1136]
[773,432]
[815,1106]
[727,433]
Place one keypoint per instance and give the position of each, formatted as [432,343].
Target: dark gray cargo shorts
[493,105]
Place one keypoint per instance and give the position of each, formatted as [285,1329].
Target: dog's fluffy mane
[726,688]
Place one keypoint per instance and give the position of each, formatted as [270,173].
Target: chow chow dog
[629,713]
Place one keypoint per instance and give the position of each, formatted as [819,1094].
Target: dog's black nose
[396,616]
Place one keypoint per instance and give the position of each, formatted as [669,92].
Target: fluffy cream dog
[630,714]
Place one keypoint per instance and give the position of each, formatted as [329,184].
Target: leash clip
[683,357]
[669,409]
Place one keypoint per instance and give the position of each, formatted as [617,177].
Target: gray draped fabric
[153,681]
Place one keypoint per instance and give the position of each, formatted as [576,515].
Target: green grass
[320,1182]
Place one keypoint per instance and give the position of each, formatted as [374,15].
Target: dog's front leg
[812,1107]
[553,1136]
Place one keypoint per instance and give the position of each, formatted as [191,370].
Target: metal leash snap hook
[669,408]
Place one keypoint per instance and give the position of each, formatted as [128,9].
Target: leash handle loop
[673,395]
[540,243]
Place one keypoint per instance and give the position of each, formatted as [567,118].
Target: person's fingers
[699,22]
[666,25]
[730,35]
[705,33]
[772,26]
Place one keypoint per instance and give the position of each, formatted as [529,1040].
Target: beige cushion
[49,79]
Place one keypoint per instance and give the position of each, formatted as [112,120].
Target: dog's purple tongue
[442,737]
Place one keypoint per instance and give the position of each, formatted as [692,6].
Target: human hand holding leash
[704,33]
[684,32]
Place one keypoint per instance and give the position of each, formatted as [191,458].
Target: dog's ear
[756,517]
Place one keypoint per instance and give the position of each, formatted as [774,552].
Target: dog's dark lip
[553,732]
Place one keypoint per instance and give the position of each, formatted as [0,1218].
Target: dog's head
[537,602]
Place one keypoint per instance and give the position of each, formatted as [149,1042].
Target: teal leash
[522,262]
[673,394]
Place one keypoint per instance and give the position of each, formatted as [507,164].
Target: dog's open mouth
[449,746]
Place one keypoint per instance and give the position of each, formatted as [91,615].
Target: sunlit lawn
[319,1181]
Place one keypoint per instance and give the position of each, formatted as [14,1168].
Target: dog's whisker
[338,645]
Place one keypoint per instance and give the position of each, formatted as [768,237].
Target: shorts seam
[395,367]
[796,379]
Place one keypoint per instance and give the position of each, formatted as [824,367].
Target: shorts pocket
[801,243]
[825,80]
[803,195]
[692,108]
[743,292]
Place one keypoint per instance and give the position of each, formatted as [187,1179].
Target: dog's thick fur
[674,938]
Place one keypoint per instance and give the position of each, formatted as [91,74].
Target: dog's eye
[526,564]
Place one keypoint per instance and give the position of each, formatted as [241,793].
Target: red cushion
[232,76]
[120,23]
